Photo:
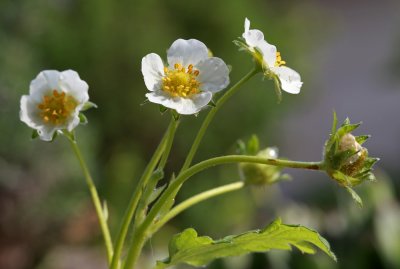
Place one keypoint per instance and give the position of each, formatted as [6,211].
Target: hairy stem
[96,200]
[142,233]
[130,211]
[194,200]
[211,114]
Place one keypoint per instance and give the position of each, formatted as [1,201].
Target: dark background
[346,51]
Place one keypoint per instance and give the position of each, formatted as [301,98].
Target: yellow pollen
[180,81]
[56,107]
[279,60]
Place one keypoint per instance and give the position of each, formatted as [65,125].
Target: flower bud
[346,161]
[260,174]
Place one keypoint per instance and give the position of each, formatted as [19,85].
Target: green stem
[194,200]
[211,114]
[217,161]
[142,234]
[152,183]
[95,198]
[130,211]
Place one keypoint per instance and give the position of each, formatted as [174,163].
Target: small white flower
[54,101]
[270,59]
[189,80]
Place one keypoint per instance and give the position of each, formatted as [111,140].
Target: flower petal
[290,79]
[46,133]
[214,74]
[153,71]
[72,84]
[28,112]
[45,82]
[268,52]
[184,106]
[186,52]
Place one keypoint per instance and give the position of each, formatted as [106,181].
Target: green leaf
[253,145]
[187,247]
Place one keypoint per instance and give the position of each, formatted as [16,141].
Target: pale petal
[253,37]
[28,112]
[214,74]
[186,52]
[268,52]
[43,84]
[73,122]
[290,80]
[246,25]
[46,133]
[72,84]
[153,71]
[185,106]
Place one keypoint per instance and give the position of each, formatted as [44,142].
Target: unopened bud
[348,142]
[261,174]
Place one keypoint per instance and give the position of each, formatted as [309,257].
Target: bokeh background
[347,53]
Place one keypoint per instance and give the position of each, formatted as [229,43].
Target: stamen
[181,81]
[57,107]
[279,61]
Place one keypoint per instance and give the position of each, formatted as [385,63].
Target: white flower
[54,101]
[270,59]
[189,80]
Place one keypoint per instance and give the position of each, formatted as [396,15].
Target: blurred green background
[347,54]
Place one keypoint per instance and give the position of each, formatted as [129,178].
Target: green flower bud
[259,174]
[346,161]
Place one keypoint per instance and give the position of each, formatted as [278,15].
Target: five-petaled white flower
[54,102]
[189,80]
[270,59]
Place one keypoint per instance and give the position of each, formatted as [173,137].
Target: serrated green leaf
[253,145]
[355,196]
[187,247]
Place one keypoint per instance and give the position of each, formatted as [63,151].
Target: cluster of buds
[345,159]
[255,173]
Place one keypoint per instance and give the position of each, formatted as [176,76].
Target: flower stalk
[95,198]
[139,190]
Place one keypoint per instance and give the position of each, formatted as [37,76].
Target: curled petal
[153,71]
[184,106]
[186,52]
[214,74]
[72,84]
[289,79]
[268,53]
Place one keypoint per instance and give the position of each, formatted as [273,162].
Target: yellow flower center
[181,82]
[279,60]
[56,107]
